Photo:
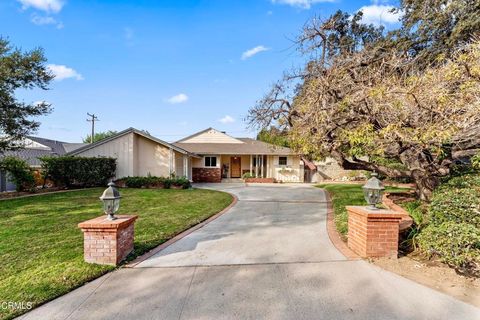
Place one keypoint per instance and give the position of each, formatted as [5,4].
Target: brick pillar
[108,241]
[373,233]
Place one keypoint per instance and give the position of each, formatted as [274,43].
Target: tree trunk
[425,184]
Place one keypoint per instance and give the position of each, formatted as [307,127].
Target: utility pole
[92,119]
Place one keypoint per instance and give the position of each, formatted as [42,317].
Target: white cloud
[227,119]
[251,52]
[379,14]
[303,4]
[44,5]
[62,72]
[179,98]
[40,21]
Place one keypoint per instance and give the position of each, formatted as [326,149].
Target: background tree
[20,70]
[274,136]
[100,136]
[363,94]
[434,27]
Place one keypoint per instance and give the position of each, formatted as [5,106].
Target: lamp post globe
[373,191]
[111,201]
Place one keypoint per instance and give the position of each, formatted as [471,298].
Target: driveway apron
[268,257]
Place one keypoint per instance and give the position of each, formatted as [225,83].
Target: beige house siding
[151,158]
[139,156]
[178,169]
[200,162]
[292,172]
[122,148]
[211,136]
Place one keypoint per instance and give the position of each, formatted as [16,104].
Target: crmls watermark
[16,305]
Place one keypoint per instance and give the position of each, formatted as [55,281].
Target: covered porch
[236,166]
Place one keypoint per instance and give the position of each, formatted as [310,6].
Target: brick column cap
[102,222]
[375,214]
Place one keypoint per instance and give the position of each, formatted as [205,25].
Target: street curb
[181,235]
[334,235]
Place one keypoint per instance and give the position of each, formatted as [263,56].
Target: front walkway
[269,257]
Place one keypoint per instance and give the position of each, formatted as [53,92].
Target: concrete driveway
[268,257]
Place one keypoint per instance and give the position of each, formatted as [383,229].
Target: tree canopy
[99,136]
[20,70]
[407,100]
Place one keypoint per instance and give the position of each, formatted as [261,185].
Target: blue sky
[169,67]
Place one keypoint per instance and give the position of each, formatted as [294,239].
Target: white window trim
[205,159]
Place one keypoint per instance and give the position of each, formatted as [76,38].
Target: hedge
[457,200]
[154,182]
[453,231]
[457,244]
[19,172]
[71,171]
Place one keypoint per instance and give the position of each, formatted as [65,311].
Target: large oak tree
[398,103]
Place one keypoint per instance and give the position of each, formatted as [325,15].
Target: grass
[41,248]
[347,195]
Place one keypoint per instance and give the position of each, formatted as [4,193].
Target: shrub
[182,182]
[248,175]
[79,171]
[476,161]
[19,172]
[155,182]
[457,244]
[456,204]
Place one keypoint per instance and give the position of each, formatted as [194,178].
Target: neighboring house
[140,154]
[33,149]
[207,156]
[226,157]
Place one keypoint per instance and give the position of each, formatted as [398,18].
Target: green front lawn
[41,248]
[347,195]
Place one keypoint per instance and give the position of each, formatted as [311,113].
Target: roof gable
[210,135]
[124,132]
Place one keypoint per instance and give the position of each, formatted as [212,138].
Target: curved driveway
[268,257]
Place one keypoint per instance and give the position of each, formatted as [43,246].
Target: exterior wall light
[373,191]
[111,201]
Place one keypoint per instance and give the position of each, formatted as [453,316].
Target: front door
[235,167]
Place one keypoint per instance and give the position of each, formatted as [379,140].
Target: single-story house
[207,156]
[34,148]
[224,157]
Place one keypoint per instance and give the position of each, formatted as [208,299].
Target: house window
[210,161]
[282,161]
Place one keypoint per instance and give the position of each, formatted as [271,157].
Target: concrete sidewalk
[268,257]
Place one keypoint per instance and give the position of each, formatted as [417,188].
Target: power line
[92,119]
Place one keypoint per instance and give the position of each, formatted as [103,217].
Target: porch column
[185,166]
[170,161]
[256,166]
[261,168]
[268,169]
[251,164]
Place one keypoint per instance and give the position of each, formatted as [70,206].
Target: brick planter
[259,180]
[373,233]
[206,175]
[108,242]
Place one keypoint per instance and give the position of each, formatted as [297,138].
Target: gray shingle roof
[31,154]
[250,146]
